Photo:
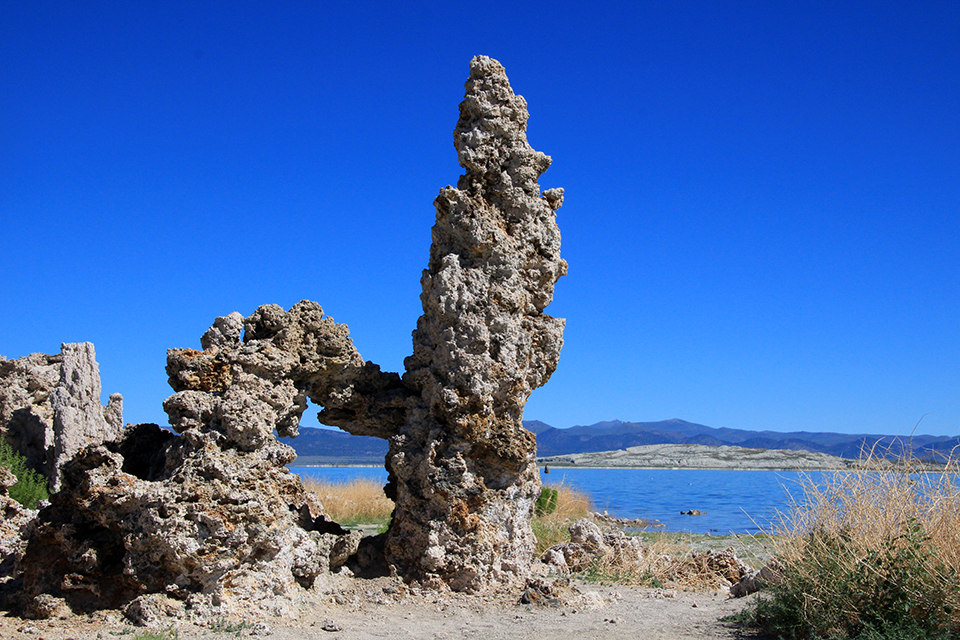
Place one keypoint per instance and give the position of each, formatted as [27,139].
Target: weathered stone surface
[26,416]
[753,581]
[461,464]
[78,417]
[245,389]
[589,545]
[213,530]
[211,521]
[50,407]
[15,527]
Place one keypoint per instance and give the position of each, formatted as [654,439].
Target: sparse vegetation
[165,634]
[868,555]
[31,487]
[547,502]
[223,625]
[570,504]
[358,502]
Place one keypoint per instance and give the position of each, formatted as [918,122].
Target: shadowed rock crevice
[144,450]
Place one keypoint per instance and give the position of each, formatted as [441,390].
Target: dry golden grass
[359,501]
[875,506]
[362,501]
[875,548]
[572,503]
[551,529]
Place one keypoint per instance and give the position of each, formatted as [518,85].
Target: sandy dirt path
[384,608]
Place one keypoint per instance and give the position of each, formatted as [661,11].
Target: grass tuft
[225,626]
[165,634]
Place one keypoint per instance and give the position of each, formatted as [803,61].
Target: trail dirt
[355,609]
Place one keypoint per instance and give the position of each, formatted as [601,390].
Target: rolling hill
[325,446]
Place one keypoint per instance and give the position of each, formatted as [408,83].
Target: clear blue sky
[762,213]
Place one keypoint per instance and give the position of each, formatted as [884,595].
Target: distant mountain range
[611,436]
[325,446]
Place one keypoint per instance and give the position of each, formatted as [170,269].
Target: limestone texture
[16,522]
[50,407]
[154,519]
[209,522]
[245,388]
[78,417]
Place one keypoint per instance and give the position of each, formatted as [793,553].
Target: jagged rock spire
[462,464]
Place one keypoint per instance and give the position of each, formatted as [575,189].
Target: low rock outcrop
[50,407]
[697,456]
[590,546]
[770,574]
[617,554]
[210,522]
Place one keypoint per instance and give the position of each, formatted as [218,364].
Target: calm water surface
[730,501]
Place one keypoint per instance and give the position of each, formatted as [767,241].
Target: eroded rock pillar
[462,467]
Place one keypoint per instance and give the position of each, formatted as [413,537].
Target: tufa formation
[462,467]
[210,522]
[50,407]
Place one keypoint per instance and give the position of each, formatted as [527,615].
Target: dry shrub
[871,553]
[705,570]
[359,501]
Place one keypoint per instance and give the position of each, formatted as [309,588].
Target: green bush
[547,502]
[31,487]
[833,590]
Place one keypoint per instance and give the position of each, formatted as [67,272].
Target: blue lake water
[730,501]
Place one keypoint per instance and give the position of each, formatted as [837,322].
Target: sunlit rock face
[50,407]
[209,522]
[246,387]
[461,464]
